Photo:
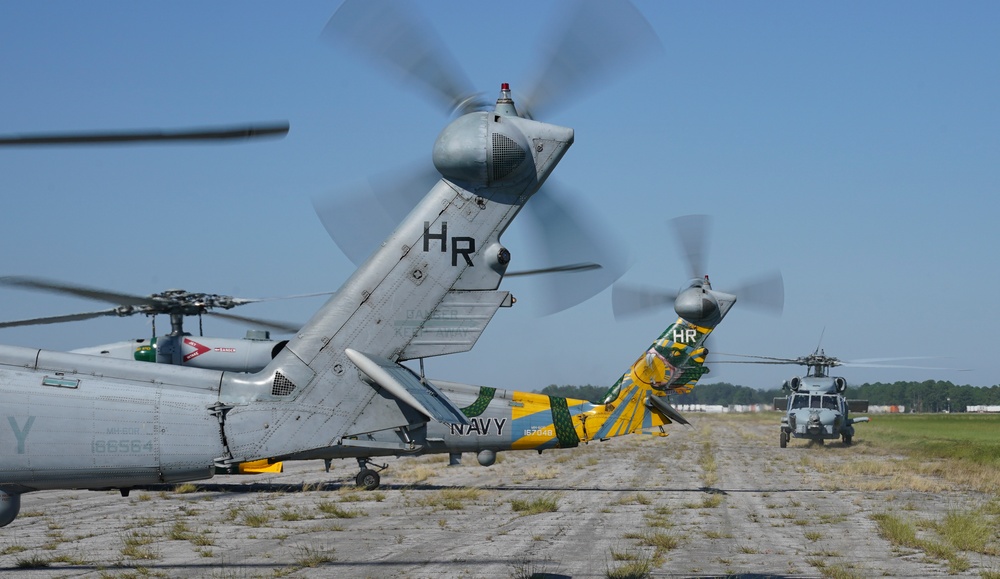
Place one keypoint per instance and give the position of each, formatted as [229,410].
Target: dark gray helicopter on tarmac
[816,408]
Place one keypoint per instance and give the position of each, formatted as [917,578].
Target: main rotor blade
[557,269]
[60,319]
[631,300]
[77,290]
[148,135]
[392,34]
[770,359]
[284,327]
[766,293]
[691,232]
[593,41]
[245,301]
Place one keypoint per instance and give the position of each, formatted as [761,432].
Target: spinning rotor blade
[765,293]
[598,39]
[630,300]
[60,319]
[557,269]
[383,201]
[147,136]
[283,327]
[564,233]
[830,362]
[691,232]
[392,33]
[595,39]
[77,290]
[176,303]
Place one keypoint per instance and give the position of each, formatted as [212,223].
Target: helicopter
[249,354]
[510,420]
[86,422]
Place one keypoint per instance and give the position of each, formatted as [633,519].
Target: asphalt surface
[716,499]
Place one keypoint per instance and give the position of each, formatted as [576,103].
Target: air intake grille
[282,386]
[507,156]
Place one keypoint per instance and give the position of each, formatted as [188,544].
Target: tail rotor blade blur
[691,232]
[631,300]
[394,35]
[595,40]
[765,293]
[566,234]
[358,220]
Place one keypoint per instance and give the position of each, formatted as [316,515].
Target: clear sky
[855,146]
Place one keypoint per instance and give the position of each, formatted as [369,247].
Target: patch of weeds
[903,533]
[840,572]
[541,504]
[136,545]
[966,531]
[747,549]
[256,518]
[179,531]
[334,510]
[639,568]
[32,562]
[11,549]
[711,501]
[527,569]
[290,514]
[202,540]
[451,499]
[662,542]
[312,557]
[185,488]
[813,536]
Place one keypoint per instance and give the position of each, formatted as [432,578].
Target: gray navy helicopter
[815,408]
[84,422]
[249,354]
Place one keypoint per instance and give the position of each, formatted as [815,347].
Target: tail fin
[675,361]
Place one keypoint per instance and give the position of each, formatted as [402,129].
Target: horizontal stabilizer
[406,387]
[781,403]
[857,405]
[663,406]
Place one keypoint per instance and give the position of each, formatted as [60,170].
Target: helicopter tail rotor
[765,293]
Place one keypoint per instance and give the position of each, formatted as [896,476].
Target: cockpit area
[828,401]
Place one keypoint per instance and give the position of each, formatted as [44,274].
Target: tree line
[926,396]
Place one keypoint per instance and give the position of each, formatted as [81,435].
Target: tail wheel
[847,440]
[783,441]
[368,479]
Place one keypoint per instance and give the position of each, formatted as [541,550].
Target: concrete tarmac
[716,499]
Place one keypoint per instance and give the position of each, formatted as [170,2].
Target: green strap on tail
[563,422]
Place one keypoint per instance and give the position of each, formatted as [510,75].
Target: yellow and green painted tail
[636,402]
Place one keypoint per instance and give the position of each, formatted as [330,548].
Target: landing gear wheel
[847,440]
[784,439]
[368,479]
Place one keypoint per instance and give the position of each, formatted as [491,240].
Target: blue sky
[852,145]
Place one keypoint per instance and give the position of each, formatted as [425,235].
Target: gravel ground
[719,498]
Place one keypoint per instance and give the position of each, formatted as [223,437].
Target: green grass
[973,438]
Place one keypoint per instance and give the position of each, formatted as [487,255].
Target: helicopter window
[814,402]
[830,402]
[800,402]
